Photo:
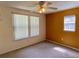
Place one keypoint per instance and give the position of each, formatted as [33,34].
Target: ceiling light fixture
[41,9]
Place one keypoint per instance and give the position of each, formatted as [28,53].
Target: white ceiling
[28,5]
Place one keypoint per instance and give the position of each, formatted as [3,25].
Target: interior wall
[55,28]
[7,40]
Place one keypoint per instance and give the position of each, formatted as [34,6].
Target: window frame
[14,28]
[30,26]
[29,29]
[69,30]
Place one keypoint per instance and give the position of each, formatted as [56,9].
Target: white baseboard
[64,45]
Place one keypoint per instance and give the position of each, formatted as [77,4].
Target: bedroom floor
[42,50]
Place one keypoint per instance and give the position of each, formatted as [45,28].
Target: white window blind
[34,26]
[20,26]
[69,23]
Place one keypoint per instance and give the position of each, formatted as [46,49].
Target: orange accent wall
[55,28]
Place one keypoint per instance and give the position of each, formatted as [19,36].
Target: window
[34,26]
[25,26]
[20,26]
[69,23]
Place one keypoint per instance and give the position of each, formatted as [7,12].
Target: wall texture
[55,28]
[7,42]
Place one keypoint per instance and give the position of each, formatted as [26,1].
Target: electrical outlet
[61,38]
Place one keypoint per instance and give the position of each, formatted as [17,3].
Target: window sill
[26,38]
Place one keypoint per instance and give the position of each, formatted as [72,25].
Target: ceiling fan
[42,6]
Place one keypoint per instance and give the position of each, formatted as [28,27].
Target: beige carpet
[43,50]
